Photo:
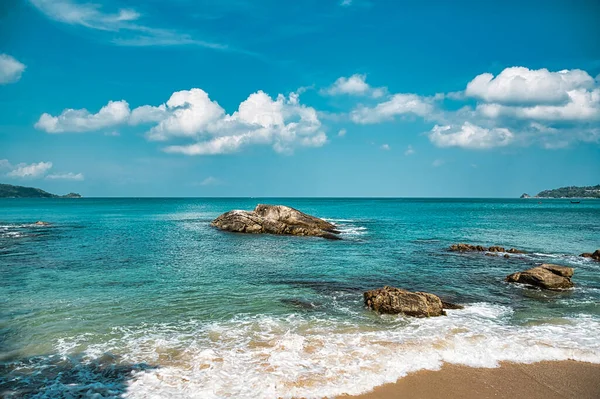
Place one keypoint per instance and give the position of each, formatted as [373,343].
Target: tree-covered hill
[571,192]
[10,191]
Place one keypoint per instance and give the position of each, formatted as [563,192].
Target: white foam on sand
[313,356]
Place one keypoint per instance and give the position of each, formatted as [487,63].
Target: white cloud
[437,163]
[148,114]
[282,123]
[385,147]
[355,85]
[409,150]
[342,133]
[470,136]
[187,113]
[36,170]
[582,105]
[122,23]
[65,176]
[81,120]
[398,104]
[210,181]
[519,85]
[33,170]
[10,69]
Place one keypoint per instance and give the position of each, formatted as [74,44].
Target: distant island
[569,192]
[10,191]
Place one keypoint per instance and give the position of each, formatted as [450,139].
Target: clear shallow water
[141,298]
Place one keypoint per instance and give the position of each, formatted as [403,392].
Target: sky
[315,98]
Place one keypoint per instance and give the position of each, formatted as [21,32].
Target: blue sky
[303,98]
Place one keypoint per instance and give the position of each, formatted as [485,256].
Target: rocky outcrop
[390,300]
[525,195]
[467,248]
[479,248]
[275,219]
[546,276]
[595,255]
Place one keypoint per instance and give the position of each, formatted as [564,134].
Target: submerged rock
[496,249]
[41,223]
[480,248]
[390,300]
[595,255]
[515,251]
[467,248]
[275,219]
[546,276]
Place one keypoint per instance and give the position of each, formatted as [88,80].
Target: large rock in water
[392,300]
[595,255]
[547,276]
[275,219]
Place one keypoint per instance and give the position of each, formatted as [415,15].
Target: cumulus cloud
[65,176]
[148,114]
[282,123]
[33,170]
[519,85]
[470,136]
[355,85]
[10,69]
[187,113]
[81,120]
[581,106]
[398,104]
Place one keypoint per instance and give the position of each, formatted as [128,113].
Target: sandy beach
[544,380]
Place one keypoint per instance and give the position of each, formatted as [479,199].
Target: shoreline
[542,380]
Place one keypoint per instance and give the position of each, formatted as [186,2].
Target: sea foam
[313,356]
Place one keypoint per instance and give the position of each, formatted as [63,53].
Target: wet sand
[544,380]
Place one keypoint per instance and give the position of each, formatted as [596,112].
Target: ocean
[142,298]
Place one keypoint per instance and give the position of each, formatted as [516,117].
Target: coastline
[542,380]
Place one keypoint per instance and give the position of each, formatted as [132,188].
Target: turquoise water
[142,298]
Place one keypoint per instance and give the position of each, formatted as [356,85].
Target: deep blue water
[142,298]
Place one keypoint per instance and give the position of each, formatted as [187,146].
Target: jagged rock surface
[546,276]
[275,219]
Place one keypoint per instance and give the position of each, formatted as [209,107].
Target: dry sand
[544,380]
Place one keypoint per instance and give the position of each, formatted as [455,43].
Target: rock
[467,248]
[275,219]
[478,248]
[392,300]
[40,223]
[298,303]
[449,305]
[490,254]
[515,251]
[525,195]
[506,256]
[595,255]
[547,276]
